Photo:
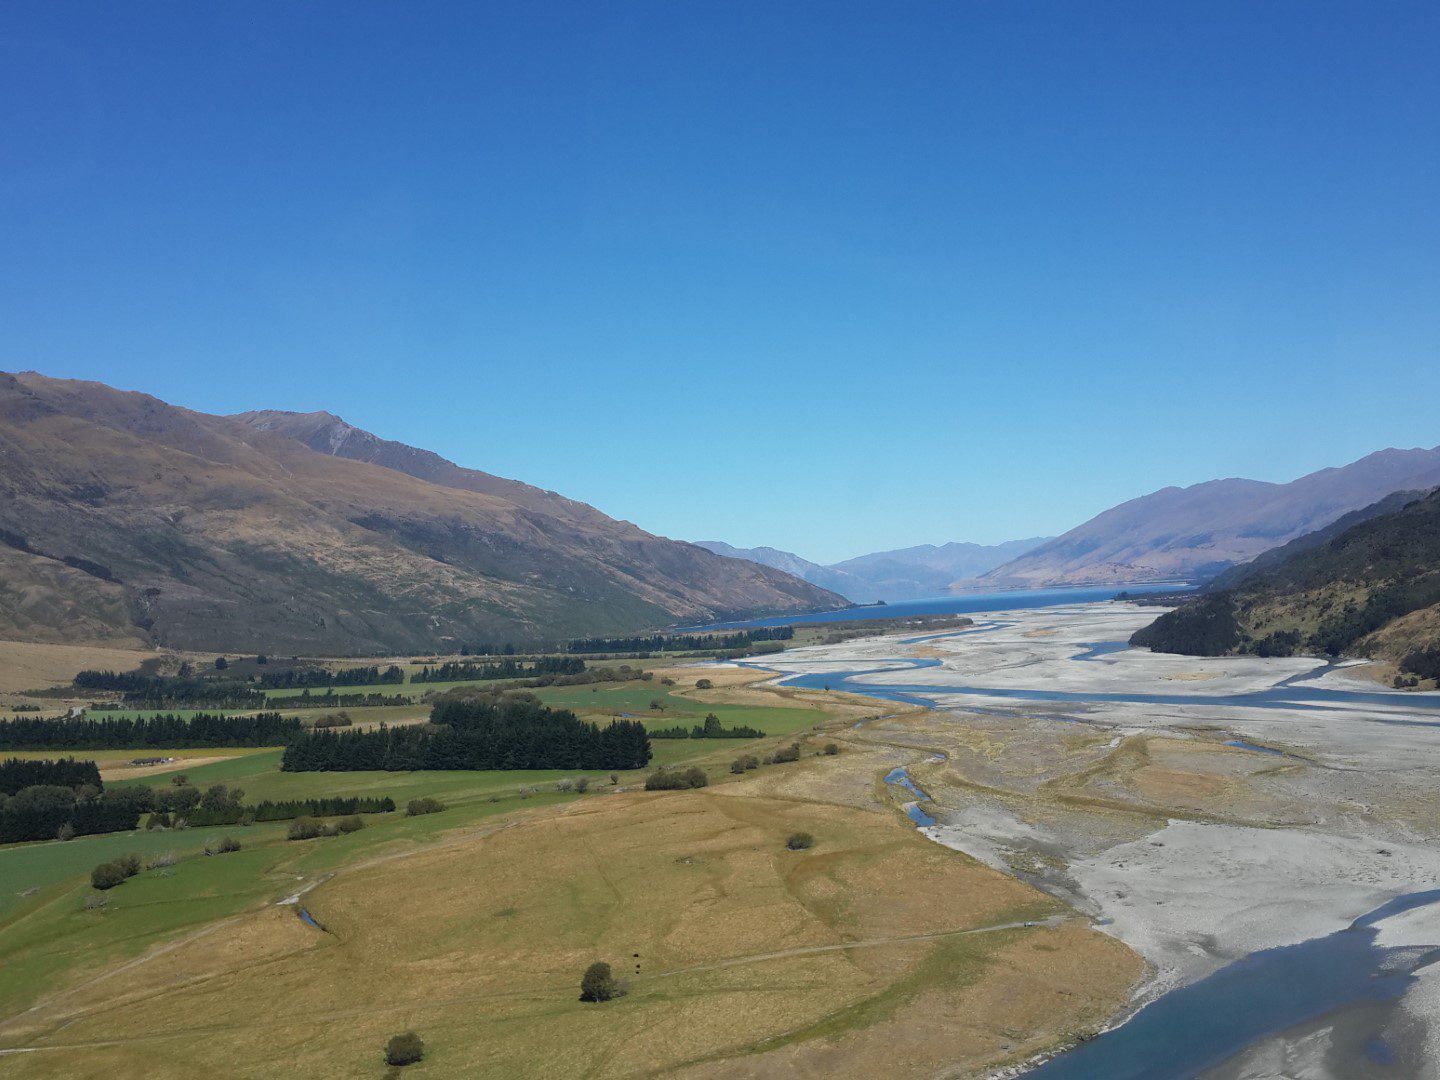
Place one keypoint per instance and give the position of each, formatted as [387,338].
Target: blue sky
[829,276]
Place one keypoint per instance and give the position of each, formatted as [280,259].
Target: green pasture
[46,935]
[633,700]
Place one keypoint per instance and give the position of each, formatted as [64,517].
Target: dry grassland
[28,666]
[877,952]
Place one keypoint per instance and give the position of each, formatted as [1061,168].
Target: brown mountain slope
[1196,532]
[326,433]
[122,516]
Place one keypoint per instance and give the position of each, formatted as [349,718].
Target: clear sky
[829,276]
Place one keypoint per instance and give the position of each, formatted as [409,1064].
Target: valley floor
[1099,826]
[1200,810]
[876,951]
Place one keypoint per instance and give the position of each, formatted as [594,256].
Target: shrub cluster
[404,1049]
[308,828]
[109,874]
[304,828]
[676,779]
[744,763]
[1423,663]
[426,804]
[223,846]
[598,983]
[800,841]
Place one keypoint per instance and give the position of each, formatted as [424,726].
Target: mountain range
[903,574]
[125,519]
[1196,532]
[1372,589]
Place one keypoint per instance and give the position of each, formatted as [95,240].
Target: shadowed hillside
[1374,590]
[125,519]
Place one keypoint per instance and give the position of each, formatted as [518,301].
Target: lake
[956,604]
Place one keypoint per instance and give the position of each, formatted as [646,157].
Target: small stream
[900,777]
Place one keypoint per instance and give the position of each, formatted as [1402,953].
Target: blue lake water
[957,604]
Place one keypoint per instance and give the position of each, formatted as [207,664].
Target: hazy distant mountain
[124,518]
[904,574]
[836,581]
[1198,531]
[928,570]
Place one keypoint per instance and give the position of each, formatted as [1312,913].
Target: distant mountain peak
[1197,531]
[904,574]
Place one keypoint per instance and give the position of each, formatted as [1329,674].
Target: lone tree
[404,1049]
[598,984]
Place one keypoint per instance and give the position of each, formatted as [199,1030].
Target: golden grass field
[26,665]
[877,952]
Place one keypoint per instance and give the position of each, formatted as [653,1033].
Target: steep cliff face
[123,517]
